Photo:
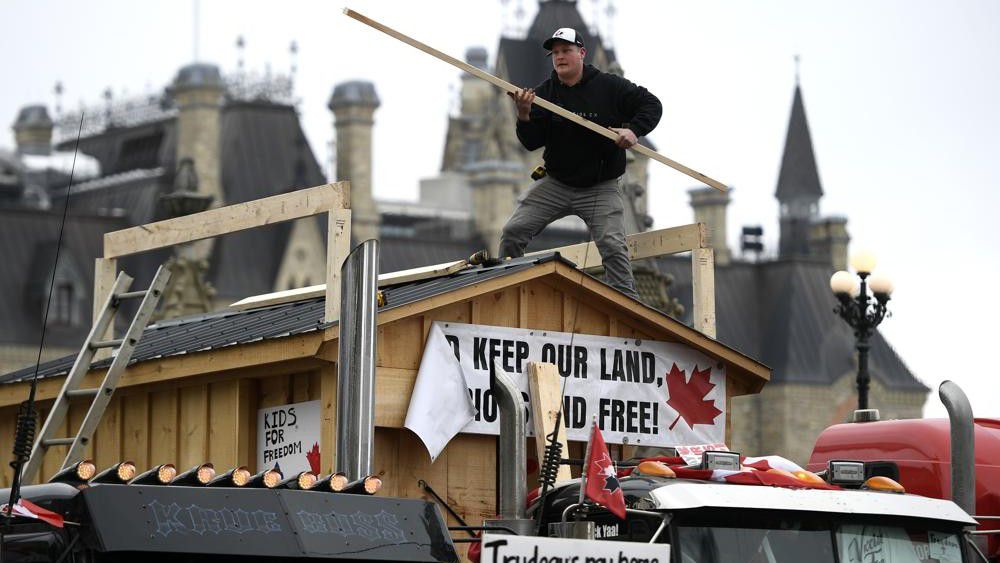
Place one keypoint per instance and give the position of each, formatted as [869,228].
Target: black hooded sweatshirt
[577,156]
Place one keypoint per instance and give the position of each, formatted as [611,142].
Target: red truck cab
[921,449]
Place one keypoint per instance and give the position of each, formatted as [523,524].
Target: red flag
[602,480]
[28,509]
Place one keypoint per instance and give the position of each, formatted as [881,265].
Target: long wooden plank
[703,286]
[510,88]
[660,242]
[313,291]
[229,219]
[545,388]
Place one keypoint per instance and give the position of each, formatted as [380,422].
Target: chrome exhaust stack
[963,446]
[356,365]
[513,456]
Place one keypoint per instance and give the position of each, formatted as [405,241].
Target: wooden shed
[197,385]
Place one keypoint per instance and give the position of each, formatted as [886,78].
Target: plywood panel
[274,391]
[193,426]
[385,460]
[544,306]
[300,387]
[135,429]
[414,464]
[108,438]
[499,308]
[581,318]
[231,425]
[77,411]
[472,474]
[328,417]
[393,398]
[456,312]
[163,417]
[407,338]
[55,455]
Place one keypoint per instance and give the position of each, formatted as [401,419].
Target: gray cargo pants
[601,207]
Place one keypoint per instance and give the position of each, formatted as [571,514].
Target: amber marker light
[122,472]
[236,477]
[808,477]
[267,479]
[303,481]
[883,484]
[198,475]
[367,486]
[77,474]
[159,475]
[777,471]
[333,483]
[656,469]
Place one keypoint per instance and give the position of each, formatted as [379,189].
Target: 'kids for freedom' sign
[288,435]
[650,393]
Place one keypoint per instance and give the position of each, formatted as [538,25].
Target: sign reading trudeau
[525,549]
[646,392]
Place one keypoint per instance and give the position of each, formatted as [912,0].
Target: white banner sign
[288,435]
[530,549]
[646,392]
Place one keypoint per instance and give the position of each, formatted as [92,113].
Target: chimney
[494,190]
[353,105]
[709,207]
[476,93]
[198,92]
[33,131]
[828,240]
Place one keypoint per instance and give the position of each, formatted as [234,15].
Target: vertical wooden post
[338,245]
[545,386]
[703,286]
[328,417]
[105,273]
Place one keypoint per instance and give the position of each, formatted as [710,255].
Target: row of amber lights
[85,472]
[876,483]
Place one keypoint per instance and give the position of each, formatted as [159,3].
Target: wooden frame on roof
[333,199]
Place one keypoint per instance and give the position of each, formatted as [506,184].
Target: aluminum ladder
[122,349]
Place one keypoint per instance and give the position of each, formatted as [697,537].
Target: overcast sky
[902,99]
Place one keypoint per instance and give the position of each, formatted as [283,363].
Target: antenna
[796,69]
[58,91]
[293,51]
[24,434]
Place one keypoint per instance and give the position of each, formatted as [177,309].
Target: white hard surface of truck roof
[683,494]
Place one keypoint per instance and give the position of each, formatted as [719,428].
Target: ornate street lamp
[861,311]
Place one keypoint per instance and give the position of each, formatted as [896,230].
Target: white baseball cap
[567,34]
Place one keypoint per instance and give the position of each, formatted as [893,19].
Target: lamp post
[861,311]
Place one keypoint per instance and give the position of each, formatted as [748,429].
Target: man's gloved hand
[523,100]
[626,137]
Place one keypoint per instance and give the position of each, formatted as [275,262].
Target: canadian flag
[28,509]
[602,479]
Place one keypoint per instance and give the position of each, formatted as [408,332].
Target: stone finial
[33,130]
[198,75]
[354,93]
[478,57]
[709,207]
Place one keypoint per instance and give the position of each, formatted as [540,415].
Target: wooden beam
[338,246]
[229,219]
[313,291]
[105,273]
[650,244]
[541,102]
[703,286]
[545,389]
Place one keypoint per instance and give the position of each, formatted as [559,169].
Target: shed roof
[219,330]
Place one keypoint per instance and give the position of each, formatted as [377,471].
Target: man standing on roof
[583,169]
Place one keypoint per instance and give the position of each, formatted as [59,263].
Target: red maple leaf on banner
[313,457]
[688,397]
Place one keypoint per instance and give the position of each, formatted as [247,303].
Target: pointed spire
[799,177]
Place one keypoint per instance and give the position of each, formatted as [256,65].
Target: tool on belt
[538,173]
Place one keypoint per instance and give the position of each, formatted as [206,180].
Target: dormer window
[64,305]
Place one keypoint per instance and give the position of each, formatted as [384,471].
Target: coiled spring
[550,464]
[24,435]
